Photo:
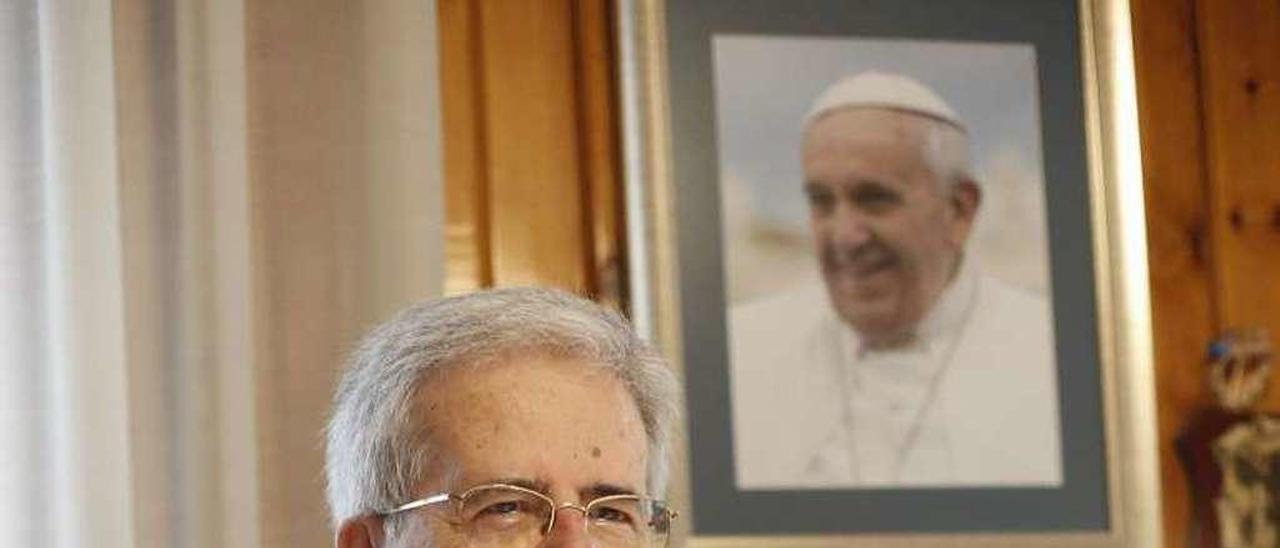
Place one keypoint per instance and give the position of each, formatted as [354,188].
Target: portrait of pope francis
[907,365]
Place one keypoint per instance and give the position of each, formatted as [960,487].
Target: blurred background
[203,203]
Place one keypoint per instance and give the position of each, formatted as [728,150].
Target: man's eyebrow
[598,490]
[531,484]
[593,491]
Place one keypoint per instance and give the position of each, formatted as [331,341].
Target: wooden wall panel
[1209,106]
[599,133]
[467,250]
[1240,67]
[536,198]
[531,145]
[1177,228]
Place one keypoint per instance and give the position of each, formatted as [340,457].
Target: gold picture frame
[1116,211]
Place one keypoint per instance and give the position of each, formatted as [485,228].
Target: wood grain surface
[531,145]
[1209,106]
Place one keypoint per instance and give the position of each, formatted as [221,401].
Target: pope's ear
[966,198]
[359,532]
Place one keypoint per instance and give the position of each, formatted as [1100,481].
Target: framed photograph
[897,249]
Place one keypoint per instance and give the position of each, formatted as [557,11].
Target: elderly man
[911,368]
[512,418]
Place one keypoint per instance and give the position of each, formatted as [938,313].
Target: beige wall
[345,207]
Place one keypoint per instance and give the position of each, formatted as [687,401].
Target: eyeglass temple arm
[414,505]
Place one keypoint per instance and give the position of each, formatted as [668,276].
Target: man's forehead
[492,385]
[506,407]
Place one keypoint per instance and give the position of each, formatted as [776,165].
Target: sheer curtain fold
[140,315]
[21,282]
[84,395]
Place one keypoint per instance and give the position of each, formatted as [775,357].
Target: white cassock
[972,401]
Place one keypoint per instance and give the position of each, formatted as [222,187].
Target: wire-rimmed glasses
[510,515]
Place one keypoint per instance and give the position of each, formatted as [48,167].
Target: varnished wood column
[531,145]
[1179,247]
[1240,74]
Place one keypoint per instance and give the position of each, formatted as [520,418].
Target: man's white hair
[376,449]
[946,140]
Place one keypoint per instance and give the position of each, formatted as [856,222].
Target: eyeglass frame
[438,498]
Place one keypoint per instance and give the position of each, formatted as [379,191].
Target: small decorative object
[1239,365]
[1231,453]
[1248,509]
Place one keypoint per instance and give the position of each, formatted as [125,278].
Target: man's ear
[359,532]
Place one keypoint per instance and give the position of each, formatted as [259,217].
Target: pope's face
[564,428]
[888,235]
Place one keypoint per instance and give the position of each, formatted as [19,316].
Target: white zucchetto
[883,90]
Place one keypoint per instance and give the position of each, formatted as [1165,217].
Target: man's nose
[569,530]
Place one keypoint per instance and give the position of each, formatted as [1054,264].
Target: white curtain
[64,376]
[136,199]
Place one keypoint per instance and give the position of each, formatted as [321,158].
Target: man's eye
[611,515]
[504,517]
[502,508]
